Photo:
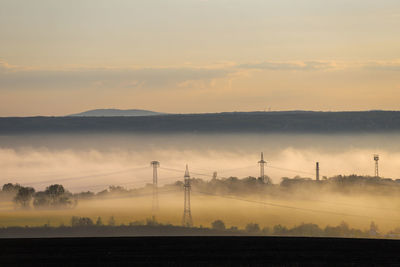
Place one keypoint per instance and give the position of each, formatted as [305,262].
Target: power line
[85,176]
[290,170]
[180,171]
[269,166]
[240,168]
[291,207]
[142,195]
[350,205]
[139,168]
[61,175]
[136,182]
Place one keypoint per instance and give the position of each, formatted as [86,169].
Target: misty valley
[86,181]
[199,133]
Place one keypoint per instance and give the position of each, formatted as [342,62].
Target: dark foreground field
[199,251]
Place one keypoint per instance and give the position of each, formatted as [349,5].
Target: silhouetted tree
[84,195]
[252,228]
[280,230]
[234,228]
[267,180]
[342,230]
[373,229]
[218,225]
[111,221]
[306,229]
[54,192]
[266,231]
[24,196]
[11,188]
[81,221]
[102,193]
[41,199]
[54,196]
[9,191]
[99,222]
[117,189]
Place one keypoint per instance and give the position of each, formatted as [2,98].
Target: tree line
[308,229]
[54,196]
[240,122]
[88,226]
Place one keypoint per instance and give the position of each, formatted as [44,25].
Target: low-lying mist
[94,162]
[328,209]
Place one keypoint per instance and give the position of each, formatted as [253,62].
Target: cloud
[383,65]
[321,65]
[111,78]
[300,65]
[157,78]
[4,66]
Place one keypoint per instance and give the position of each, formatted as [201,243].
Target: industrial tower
[317,171]
[376,158]
[155,165]
[262,162]
[187,214]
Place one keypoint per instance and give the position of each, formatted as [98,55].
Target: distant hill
[116,113]
[235,122]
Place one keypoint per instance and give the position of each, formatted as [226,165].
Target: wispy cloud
[4,66]
[186,76]
[383,65]
[78,78]
[290,65]
[322,65]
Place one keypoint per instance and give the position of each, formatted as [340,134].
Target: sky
[193,56]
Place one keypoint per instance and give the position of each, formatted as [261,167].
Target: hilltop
[116,113]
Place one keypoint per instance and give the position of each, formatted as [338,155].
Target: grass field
[358,213]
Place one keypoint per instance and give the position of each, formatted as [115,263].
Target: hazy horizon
[63,57]
[195,113]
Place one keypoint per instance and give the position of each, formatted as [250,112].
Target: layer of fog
[359,212]
[92,162]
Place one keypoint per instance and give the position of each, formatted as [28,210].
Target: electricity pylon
[262,162]
[187,214]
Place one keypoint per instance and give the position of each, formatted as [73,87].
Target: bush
[111,221]
[252,228]
[218,225]
[280,230]
[81,221]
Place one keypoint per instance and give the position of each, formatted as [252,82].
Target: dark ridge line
[239,122]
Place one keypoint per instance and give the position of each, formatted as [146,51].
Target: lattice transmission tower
[187,214]
[262,162]
[376,158]
[155,165]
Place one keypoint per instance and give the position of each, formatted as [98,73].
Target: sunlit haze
[168,132]
[63,57]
